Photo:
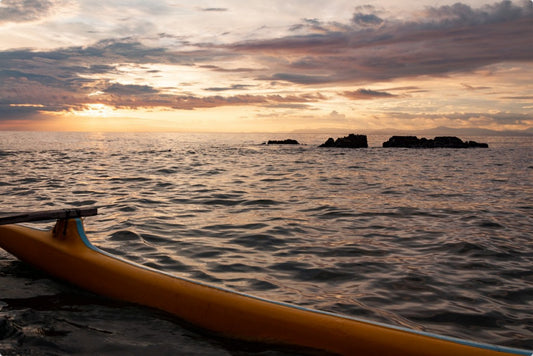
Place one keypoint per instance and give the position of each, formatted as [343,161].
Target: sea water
[438,240]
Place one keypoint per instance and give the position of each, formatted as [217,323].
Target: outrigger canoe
[66,253]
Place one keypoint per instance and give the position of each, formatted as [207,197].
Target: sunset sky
[265,66]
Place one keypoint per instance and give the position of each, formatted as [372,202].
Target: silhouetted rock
[350,141]
[402,141]
[283,142]
[437,142]
[474,144]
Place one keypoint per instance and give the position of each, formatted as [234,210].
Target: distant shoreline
[437,131]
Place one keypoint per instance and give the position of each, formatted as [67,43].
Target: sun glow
[96,110]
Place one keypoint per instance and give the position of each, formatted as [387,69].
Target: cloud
[129,89]
[194,102]
[366,16]
[8,112]
[316,26]
[366,49]
[232,87]
[446,39]
[409,89]
[214,9]
[336,116]
[519,97]
[367,94]
[226,70]
[471,87]
[68,79]
[300,78]
[493,118]
[367,20]
[26,10]
[461,14]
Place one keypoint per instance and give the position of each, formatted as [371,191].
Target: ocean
[439,240]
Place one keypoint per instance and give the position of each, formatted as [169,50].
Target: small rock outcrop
[288,141]
[474,144]
[437,142]
[350,141]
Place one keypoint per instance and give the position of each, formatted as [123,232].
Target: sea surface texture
[438,240]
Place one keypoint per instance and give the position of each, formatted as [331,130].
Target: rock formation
[283,142]
[437,142]
[350,141]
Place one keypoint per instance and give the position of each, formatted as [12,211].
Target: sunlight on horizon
[340,65]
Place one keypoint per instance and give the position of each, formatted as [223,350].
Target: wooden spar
[14,218]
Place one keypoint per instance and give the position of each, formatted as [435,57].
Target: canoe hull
[67,254]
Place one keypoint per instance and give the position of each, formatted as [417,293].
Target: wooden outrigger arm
[61,214]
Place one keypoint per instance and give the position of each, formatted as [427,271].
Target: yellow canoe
[66,253]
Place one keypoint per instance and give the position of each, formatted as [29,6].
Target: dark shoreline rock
[350,141]
[288,141]
[437,142]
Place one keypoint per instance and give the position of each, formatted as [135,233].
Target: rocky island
[437,142]
[350,141]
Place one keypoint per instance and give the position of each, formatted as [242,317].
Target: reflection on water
[437,240]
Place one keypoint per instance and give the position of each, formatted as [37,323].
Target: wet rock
[350,141]
[437,142]
[283,142]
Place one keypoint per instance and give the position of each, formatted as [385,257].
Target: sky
[265,66]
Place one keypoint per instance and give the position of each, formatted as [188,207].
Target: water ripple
[437,240]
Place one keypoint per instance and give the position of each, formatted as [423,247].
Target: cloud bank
[26,10]
[365,94]
[370,48]
[445,39]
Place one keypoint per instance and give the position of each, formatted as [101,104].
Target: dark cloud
[296,27]
[367,16]
[129,89]
[227,70]
[448,39]
[520,97]
[314,43]
[410,88]
[25,10]
[47,80]
[214,9]
[67,78]
[316,26]
[288,106]
[463,15]
[190,102]
[33,82]
[300,78]
[367,94]
[471,87]
[367,20]
[127,49]
[370,48]
[61,79]
[68,68]
[232,87]
[18,112]
[29,112]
